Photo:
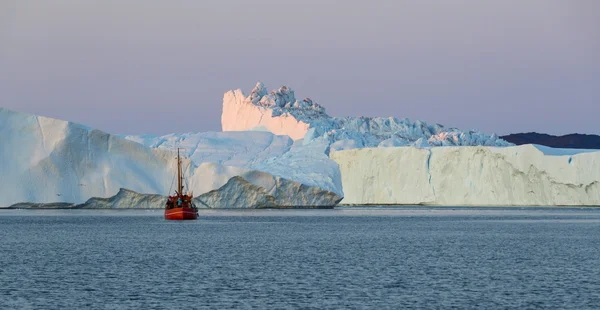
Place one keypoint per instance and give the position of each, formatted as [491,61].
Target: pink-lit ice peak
[281,113]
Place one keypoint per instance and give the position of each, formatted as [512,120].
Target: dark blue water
[422,258]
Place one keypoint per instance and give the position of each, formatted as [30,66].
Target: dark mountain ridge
[571,141]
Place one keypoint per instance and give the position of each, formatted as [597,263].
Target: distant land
[571,141]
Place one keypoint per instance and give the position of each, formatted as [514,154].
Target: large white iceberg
[280,112]
[46,160]
[525,175]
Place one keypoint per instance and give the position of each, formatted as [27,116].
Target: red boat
[180,206]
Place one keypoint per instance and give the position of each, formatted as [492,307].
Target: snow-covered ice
[226,148]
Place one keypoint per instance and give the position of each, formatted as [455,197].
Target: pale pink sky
[124,66]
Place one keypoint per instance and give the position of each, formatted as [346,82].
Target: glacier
[44,160]
[281,113]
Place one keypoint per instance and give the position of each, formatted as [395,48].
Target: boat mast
[179,189]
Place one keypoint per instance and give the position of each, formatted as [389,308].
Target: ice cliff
[45,160]
[48,160]
[525,175]
[281,113]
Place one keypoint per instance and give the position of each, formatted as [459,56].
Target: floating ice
[281,113]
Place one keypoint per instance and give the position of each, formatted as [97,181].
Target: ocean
[368,258]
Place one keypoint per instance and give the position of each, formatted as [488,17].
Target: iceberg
[241,113]
[278,151]
[226,148]
[125,199]
[279,156]
[44,160]
[281,113]
[48,160]
[525,175]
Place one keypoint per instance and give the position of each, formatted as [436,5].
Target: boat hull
[179,214]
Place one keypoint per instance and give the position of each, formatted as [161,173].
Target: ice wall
[48,160]
[469,176]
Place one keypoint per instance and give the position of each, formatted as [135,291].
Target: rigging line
[187,186]
[171,187]
[184,178]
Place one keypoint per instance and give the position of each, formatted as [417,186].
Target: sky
[158,67]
